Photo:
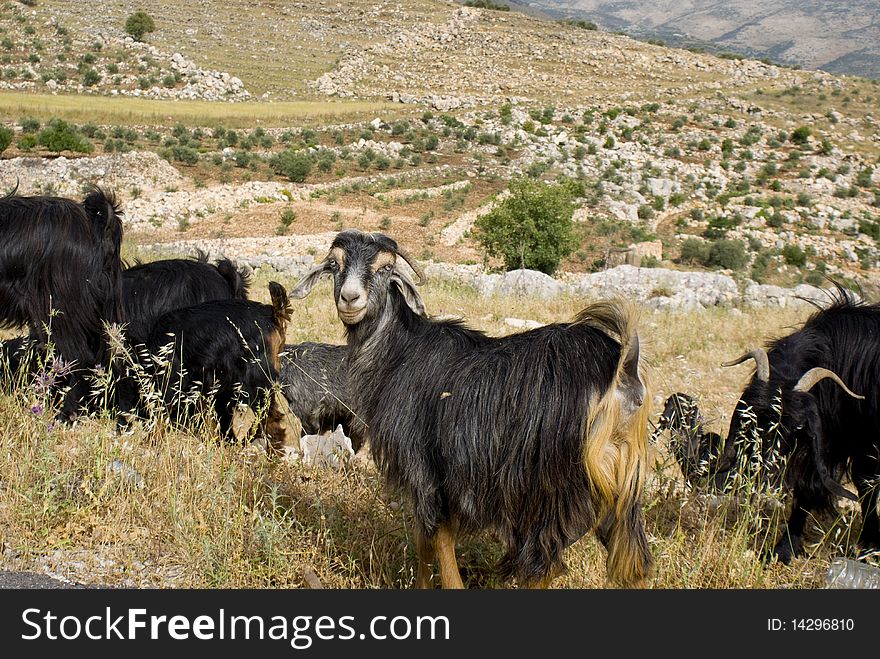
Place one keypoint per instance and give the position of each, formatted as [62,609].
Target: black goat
[61,276]
[152,289]
[695,449]
[229,348]
[798,419]
[314,379]
[539,436]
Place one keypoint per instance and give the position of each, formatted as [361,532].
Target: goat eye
[388,268]
[332,263]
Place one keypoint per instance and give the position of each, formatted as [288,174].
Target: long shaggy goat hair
[314,379]
[60,275]
[152,289]
[539,436]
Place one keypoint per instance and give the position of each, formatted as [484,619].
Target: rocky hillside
[678,160]
[40,52]
[839,37]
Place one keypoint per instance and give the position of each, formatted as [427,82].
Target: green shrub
[487,4]
[58,135]
[287,217]
[720,225]
[29,124]
[530,229]
[863,178]
[729,254]
[242,158]
[794,255]
[138,24]
[800,135]
[645,212]
[27,142]
[694,250]
[804,199]
[185,154]
[91,77]
[295,165]
[5,138]
[870,228]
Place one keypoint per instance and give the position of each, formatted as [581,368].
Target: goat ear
[630,382]
[410,294]
[815,431]
[280,301]
[307,283]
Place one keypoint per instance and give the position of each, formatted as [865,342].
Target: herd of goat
[539,436]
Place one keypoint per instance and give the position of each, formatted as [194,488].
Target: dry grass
[120,111]
[188,510]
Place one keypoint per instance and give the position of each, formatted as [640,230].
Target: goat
[694,448]
[152,289]
[539,436]
[314,379]
[229,348]
[61,276]
[155,288]
[799,419]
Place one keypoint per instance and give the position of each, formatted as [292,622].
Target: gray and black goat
[314,380]
[540,436]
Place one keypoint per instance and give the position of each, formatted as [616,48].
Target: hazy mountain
[841,36]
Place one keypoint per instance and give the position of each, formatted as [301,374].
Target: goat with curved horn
[761,360]
[779,421]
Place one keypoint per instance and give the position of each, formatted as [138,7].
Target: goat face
[781,416]
[364,267]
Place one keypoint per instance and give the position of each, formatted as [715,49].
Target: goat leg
[444,547]
[789,544]
[425,555]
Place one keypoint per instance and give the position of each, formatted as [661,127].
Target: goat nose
[349,296]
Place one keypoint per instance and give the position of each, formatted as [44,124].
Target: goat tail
[616,444]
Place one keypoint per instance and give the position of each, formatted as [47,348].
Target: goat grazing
[228,348]
[799,419]
[694,449]
[314,379]
[539,436]
[61,276]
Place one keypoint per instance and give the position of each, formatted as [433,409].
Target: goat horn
[815,375]
[761,359]
[416,268]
